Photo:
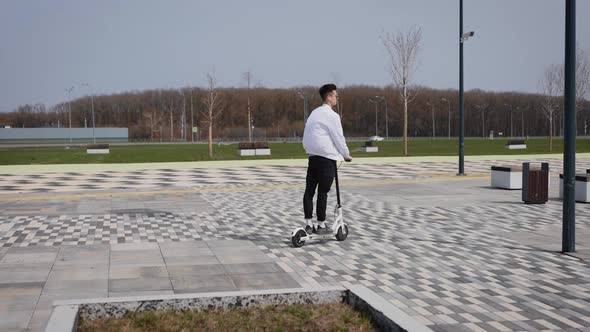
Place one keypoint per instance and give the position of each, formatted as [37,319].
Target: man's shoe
[323,230]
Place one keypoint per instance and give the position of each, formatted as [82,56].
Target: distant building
[61,135]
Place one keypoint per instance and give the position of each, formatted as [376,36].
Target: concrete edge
[386,316]
[109,300]
[63,318]
[94,168]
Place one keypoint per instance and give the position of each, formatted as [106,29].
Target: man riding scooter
[324,142]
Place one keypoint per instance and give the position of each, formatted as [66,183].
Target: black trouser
[320,174]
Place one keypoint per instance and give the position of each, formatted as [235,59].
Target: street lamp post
[304,97]
[483,119]
[522,114]
[510,105]
[374,101]
[449,121]
[92,106]
[386,120]
[569,140]
[192,118]
[183,125]
[69,90]
[462,38]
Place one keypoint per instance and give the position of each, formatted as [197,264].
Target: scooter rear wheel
[342,233]
[296,239]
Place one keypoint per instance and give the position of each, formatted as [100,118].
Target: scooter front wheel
[342,233]
[296,239]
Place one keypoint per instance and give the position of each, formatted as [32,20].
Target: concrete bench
[582,187]
[369,149]
[97,149]
[253,152]
[515,145]
[507,177]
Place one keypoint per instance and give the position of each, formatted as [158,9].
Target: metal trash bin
[535,184]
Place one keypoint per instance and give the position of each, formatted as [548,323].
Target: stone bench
[507,177]
[97,149]
[253,149]
[511,145]
[582,187]
[369,149]
[253,152]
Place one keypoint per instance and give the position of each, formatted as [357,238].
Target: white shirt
[323,134]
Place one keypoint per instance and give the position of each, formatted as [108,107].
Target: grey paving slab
[14,320]
[242,257]
[66,286]
[202,283]
[140,284]
[81,273]
[134,246]
[20,272]
[28,258]
[75,256]
[264,280]
[232,244]
[191,260]
[186,251]
[125,272]
[141,293]
[19,296]
[166,247]
[249,268]
[39,320]
[137,258]
[196,270]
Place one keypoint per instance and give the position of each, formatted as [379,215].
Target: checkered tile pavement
[235,176]
[449,268]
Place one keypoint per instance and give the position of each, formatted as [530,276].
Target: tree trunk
[152,126]
[405,138]
[210,132]
[550,133]
[210,140]
[171,125]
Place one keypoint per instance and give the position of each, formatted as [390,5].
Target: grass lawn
[299,317]
[199,152]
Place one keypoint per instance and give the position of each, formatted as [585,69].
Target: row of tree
[170,114]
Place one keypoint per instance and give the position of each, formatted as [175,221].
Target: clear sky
[47,46]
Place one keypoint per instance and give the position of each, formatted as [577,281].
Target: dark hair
[326,89]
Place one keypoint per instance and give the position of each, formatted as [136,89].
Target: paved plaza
[451,252]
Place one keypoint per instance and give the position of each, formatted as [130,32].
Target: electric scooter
[339,229]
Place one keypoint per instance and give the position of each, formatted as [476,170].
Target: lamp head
[467,35]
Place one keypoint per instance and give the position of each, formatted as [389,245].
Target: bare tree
[338,80]
[402,48]
[582,75]
[551,85]
[483,109]
[248,77]
[213,107]
[154,119]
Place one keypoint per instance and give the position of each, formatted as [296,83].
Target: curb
[384,315]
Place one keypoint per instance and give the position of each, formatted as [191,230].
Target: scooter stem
[337,186]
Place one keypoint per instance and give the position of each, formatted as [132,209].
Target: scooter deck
[320,236]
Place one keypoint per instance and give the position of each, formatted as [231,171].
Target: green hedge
[97,146]
[253,145]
